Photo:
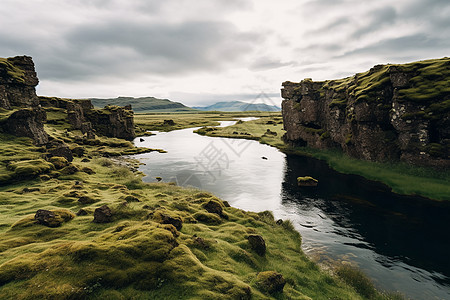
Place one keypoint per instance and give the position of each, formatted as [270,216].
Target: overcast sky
[200,51]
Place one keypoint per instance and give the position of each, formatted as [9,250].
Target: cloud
[379,19]
[401,47]
[267,63]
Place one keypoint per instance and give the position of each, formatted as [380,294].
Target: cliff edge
[389,113]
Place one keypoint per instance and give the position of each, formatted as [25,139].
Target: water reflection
[405,235]
[400,242]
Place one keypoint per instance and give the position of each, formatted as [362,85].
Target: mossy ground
[135,256]
[155,121]
[402,178]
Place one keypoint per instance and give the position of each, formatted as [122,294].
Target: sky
[200,52]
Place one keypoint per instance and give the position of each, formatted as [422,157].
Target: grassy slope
[155,121]
[135,256]
[403,179]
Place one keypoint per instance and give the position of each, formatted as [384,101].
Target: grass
[140,254]
[155,121]
[17,74]
[402,178]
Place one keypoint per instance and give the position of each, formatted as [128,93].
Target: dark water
[401,242]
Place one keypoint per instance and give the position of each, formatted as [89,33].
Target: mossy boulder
[59,162]
[307,181]
[207,218]
[84,200]
[270,282]
[214,207]
[166,217]
[69,170]
[30,168]
[54,218]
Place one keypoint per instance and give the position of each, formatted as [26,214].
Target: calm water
[402,243]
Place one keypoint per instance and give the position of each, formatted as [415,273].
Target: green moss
[30,168]
[17,74]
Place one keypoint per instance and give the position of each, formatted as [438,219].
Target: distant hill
[143,104]
[239,106]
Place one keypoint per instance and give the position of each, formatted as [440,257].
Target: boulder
[28,122]
[103,214]
[165,217]
[257,244]
[270,282]
[82,212]
[60,149]
[52,218]
[214,207]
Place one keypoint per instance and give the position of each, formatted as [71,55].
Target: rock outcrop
[17,82]
[18,96]
[111,121]
[389,113]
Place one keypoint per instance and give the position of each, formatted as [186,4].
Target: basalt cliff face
[23,113]
[111,121]
[389,113]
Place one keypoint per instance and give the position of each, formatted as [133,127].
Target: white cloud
[222,49]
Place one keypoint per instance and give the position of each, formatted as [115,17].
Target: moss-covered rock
[59,162]
[54,218]
[307,181]
[270,282]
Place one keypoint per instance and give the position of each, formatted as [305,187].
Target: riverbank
[92,229]
[401,178]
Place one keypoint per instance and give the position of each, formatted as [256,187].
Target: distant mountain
[238,106]
[144,104]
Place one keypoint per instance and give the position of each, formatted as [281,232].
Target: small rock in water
[263,157]
[141,140]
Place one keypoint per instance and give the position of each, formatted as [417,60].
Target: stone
[164,217]
[279,222]
[214,207]
[48,218]
[307,181]
[87,170]
[169,122]
[257,244]
[18,80]
[270,282]
[130,198]
[82,212]
[84,200]
[60,149]
[103,214]
[59,162]
[28,122]
[78,151]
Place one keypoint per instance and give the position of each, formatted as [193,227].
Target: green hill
[143,104]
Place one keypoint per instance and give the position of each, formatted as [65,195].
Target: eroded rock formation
[390,113]
[24,117]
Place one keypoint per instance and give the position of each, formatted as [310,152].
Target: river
[401,242]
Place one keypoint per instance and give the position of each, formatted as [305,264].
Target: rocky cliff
[111,121]
[389,113]
[20,113]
